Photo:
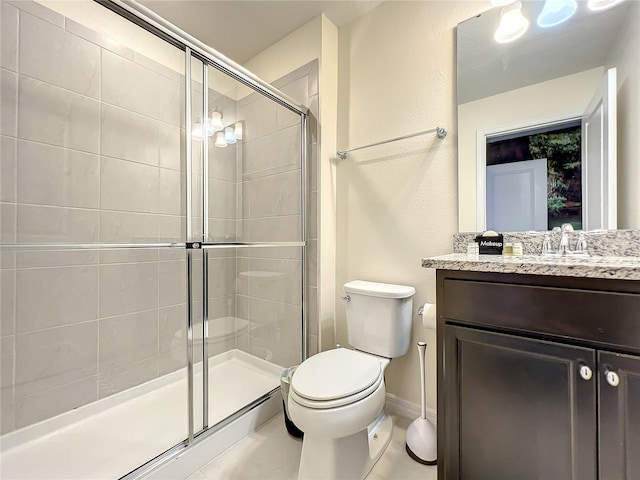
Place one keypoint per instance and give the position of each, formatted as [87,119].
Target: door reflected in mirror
[546,77]
[534,178]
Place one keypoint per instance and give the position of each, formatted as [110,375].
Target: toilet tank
[379,317]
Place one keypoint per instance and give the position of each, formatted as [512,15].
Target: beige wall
[318,39]
[571,95]
[397,204]
[625,55]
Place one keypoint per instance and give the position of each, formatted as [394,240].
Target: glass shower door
[93,262]
[153,255]
[253,249]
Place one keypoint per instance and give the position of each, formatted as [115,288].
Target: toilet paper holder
[428,314]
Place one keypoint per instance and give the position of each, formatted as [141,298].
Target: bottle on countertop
[517,249]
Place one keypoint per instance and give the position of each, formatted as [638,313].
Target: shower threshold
[111,437]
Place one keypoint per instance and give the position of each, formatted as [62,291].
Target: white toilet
[337,397]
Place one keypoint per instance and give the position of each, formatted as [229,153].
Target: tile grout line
[15,223]
[100,233]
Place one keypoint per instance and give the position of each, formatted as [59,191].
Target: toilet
[337,397]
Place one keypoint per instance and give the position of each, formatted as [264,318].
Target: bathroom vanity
[538,368]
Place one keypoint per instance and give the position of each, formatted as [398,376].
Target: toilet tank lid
[375,289]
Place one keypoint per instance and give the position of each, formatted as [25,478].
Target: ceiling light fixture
[512,23]
[602,4]
[555,12]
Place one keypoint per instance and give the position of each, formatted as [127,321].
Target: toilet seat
[336,378]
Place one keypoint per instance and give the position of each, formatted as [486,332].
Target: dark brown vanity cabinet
[619,416]
[534,382]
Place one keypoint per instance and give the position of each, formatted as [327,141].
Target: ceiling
[487,68]
[240,29]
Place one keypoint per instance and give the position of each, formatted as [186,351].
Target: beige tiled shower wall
[91,149]
[269,280]
[91,152]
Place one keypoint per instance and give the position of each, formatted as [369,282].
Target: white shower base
[113,436]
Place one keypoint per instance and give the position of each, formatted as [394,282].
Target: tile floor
[270,453]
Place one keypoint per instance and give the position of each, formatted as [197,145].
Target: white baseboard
[404,408]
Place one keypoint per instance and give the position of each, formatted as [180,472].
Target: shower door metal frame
[193,48]
[205,245]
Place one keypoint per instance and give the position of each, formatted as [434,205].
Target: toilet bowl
[337,396]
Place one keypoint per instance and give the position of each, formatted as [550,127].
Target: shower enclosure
[153,229]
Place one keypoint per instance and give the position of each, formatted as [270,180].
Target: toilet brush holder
[421,434]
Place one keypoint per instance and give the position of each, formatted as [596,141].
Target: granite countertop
[623,268]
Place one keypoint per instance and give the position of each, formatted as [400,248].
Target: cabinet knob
[585,372]
[612,377]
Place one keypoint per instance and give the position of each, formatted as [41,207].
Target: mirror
[548,75]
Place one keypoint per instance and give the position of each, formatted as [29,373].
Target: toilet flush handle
[346,298]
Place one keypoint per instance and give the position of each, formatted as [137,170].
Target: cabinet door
[619,416]
[520,408]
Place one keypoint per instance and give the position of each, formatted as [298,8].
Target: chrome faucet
[546,245]
[563,249]
[581,245]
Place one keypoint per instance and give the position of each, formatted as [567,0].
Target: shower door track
[179,449]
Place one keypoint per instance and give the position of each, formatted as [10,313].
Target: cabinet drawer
[602,318]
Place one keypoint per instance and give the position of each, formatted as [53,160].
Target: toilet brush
[421,434]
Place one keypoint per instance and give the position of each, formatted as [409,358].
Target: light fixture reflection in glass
[220,140]
[196,133]
[512,23]
[602,4]
[200,128]
[555,12]
[216,121]
[237,130]
[213,126]
[228,136]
